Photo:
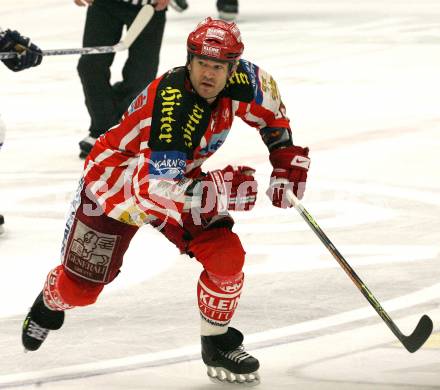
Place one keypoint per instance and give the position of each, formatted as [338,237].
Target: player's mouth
[207,84]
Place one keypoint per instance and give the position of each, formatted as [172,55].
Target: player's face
[208,77]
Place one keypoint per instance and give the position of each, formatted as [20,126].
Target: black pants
[103,27]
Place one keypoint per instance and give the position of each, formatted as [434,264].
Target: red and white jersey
[140,169]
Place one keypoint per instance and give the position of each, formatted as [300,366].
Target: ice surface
[361,84]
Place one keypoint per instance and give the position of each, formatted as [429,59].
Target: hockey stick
[139,23]
[423,329]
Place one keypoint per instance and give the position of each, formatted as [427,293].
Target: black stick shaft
[349,270]
[60,52]
[423,329]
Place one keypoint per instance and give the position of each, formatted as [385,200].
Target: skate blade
[224,376]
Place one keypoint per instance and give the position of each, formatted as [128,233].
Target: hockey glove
[290,166]
[230,188]
[28,54]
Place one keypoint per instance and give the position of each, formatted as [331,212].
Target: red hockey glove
[290,166]
[230,188]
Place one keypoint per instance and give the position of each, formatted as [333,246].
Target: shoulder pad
[240,84]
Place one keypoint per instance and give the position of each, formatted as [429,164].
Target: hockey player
[147,170]
[29,55]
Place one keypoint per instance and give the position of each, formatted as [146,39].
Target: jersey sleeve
[266,109]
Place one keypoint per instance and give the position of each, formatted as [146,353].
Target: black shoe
[85,146]
[227,360]
[39,321]
[227,9]
[2,223]
[179,5]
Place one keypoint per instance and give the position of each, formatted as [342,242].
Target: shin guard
[218,298]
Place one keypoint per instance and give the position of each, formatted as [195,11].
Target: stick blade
[139,23]
[421,333]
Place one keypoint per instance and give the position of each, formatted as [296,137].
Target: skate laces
[36,331]
[237,355]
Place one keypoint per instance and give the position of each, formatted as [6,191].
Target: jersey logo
[138,102]
[194,117]
[253,71]
[167,164]
[215,142]
[90,253]
[239,78]
[169,100]
[302,162]
[269,85]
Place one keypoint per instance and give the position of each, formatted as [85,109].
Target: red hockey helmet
[215,39]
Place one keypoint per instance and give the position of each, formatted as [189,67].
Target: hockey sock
[61,292]
[217,298]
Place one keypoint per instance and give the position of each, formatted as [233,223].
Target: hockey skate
[227,361]
[179,5]
[85,146]
[2,223]
[37,324]
[227,9]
